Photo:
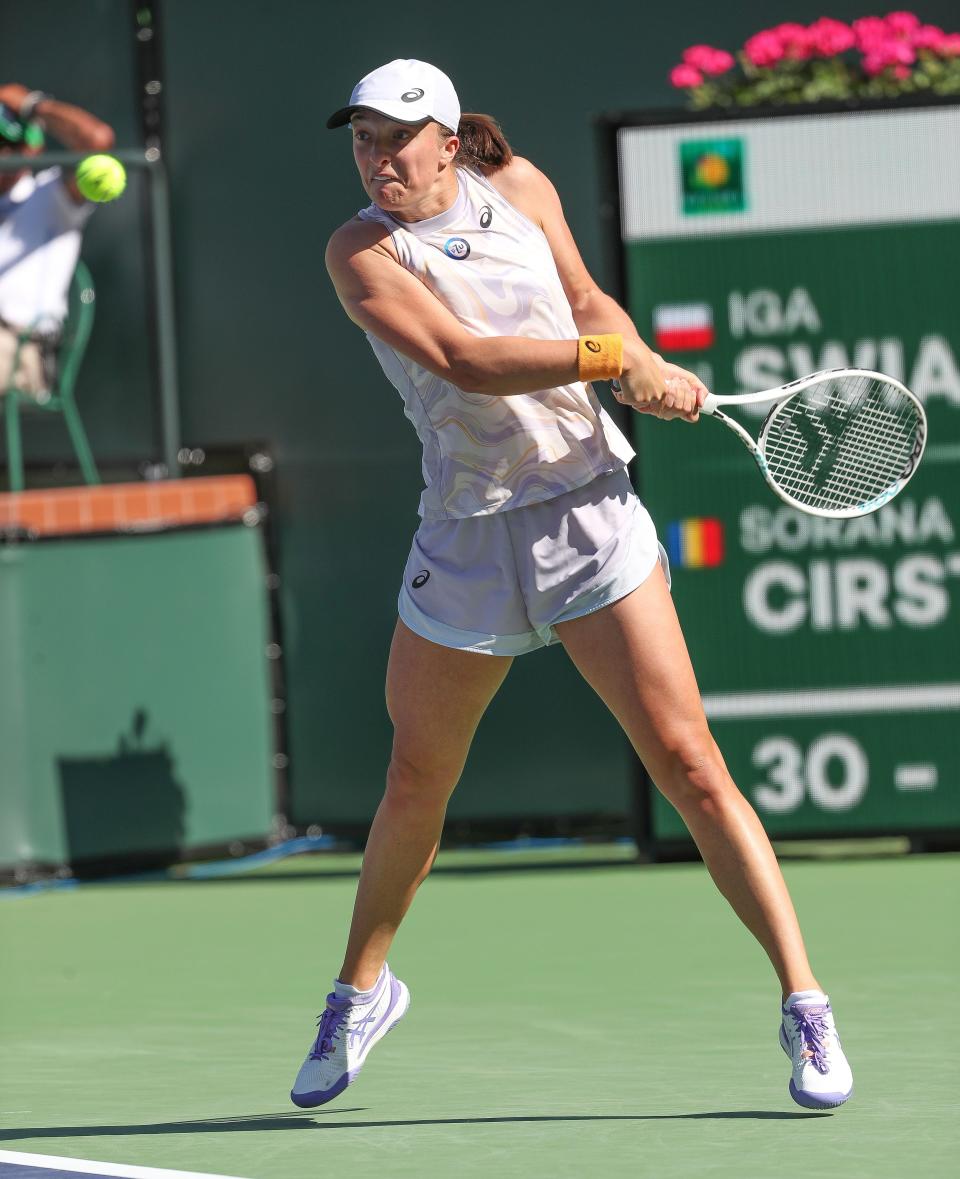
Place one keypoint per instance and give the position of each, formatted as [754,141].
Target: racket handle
[710,404]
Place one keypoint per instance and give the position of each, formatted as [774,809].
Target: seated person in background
[42,215]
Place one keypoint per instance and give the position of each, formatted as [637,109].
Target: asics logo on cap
[412,95]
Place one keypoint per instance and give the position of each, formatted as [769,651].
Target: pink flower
[720,63]
[902,24]
[885,54]
[763,49]
[794,39]
[928,37]
[901,71]
[696,55]
[685,75]
[950,45]
[828,37]
[869,32]
[898,53]
[708,59]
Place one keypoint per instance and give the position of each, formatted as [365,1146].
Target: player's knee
[693,772]
[419,781]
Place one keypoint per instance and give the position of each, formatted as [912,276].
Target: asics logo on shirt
[456,247]
[486,216]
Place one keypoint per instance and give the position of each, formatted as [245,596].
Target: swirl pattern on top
[484,454]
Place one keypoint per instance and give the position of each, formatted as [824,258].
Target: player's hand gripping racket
[838,443]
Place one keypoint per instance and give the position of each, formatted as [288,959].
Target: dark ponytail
[483,145]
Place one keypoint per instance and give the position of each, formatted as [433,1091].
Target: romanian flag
[683,327]
[696,543]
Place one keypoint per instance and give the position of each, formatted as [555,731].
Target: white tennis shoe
[821,1075]
[348,1029]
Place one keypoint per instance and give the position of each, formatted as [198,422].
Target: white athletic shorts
[498,584]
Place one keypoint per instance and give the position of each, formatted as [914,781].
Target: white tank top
[493,268]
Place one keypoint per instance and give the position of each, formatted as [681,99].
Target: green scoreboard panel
[755,250]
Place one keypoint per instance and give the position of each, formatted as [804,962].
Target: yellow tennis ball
[101,178]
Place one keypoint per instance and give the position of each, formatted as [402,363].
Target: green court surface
[575,1020]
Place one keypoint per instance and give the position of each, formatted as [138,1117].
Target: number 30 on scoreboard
[833,773]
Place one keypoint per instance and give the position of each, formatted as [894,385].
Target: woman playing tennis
[465,278]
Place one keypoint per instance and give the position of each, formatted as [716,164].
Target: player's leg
[435,696]
[634,656]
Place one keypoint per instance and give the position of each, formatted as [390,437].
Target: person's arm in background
[73,127]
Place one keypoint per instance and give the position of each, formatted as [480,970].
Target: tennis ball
[101,178]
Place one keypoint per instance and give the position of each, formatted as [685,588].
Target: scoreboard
[755,249]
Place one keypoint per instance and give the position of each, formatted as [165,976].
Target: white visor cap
[406,90]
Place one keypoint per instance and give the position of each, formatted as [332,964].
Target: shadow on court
[294,1121]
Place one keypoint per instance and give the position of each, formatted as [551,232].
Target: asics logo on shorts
[421,579]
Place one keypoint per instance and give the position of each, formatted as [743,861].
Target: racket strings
[842,442]
[850,469]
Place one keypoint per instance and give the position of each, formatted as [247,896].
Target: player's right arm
[385,299]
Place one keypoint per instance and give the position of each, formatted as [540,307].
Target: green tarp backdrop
[134,696]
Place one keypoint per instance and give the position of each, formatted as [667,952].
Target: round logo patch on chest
[456,247]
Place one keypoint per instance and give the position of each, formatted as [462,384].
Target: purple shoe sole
[322,1096]
[820,1101]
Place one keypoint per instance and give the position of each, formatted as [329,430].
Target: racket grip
[710,404]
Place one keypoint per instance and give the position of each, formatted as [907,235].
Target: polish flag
[683,327]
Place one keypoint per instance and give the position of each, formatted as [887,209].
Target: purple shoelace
[328,1025]
[813,1029]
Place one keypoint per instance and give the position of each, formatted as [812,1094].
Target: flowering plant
[874,57]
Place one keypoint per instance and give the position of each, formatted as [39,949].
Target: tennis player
[465,278]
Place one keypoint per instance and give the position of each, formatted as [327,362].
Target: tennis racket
[838,443]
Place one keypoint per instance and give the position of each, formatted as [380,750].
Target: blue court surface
[16,1165]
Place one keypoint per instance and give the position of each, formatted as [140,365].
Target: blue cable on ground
[211,871]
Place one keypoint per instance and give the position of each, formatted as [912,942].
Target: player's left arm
[594,311]
[72,126]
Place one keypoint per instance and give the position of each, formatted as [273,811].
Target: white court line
[85,1167]
[827,701]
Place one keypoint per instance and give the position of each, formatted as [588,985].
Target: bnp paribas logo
[712,171]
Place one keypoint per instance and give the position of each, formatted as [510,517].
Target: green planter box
[134,697]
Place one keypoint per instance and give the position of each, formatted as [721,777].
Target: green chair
[73,344]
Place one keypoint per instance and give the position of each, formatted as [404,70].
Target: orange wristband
[600,358]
